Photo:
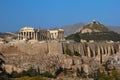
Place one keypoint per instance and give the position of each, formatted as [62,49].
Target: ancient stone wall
[93,49]
[84,49]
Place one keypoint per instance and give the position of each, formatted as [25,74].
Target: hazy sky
[15,14]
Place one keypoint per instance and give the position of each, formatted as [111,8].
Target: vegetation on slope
[96,36]
[31,78]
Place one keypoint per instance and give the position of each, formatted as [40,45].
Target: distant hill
[114,28]
[8,36]
[94,26]
[70,29]
[94,31]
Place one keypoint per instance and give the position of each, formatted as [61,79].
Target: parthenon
[29,33]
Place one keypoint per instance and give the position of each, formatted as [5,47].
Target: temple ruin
[29,33]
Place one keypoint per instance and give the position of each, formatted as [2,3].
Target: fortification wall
[85,49]
[93,49]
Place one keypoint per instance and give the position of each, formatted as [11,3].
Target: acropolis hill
[43,55]
[47,50]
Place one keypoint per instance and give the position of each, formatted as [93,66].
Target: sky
[15,14]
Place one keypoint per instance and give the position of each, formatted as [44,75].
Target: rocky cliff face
[50,56]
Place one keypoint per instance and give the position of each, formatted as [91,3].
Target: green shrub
[47,74]
[76,53]
[14,74]
[4,77]
[31,72]
[69,52]
[58,71]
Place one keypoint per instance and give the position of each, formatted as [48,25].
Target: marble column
[27,35]
[31,35]
[34,35]
[23,35]
[18,36]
